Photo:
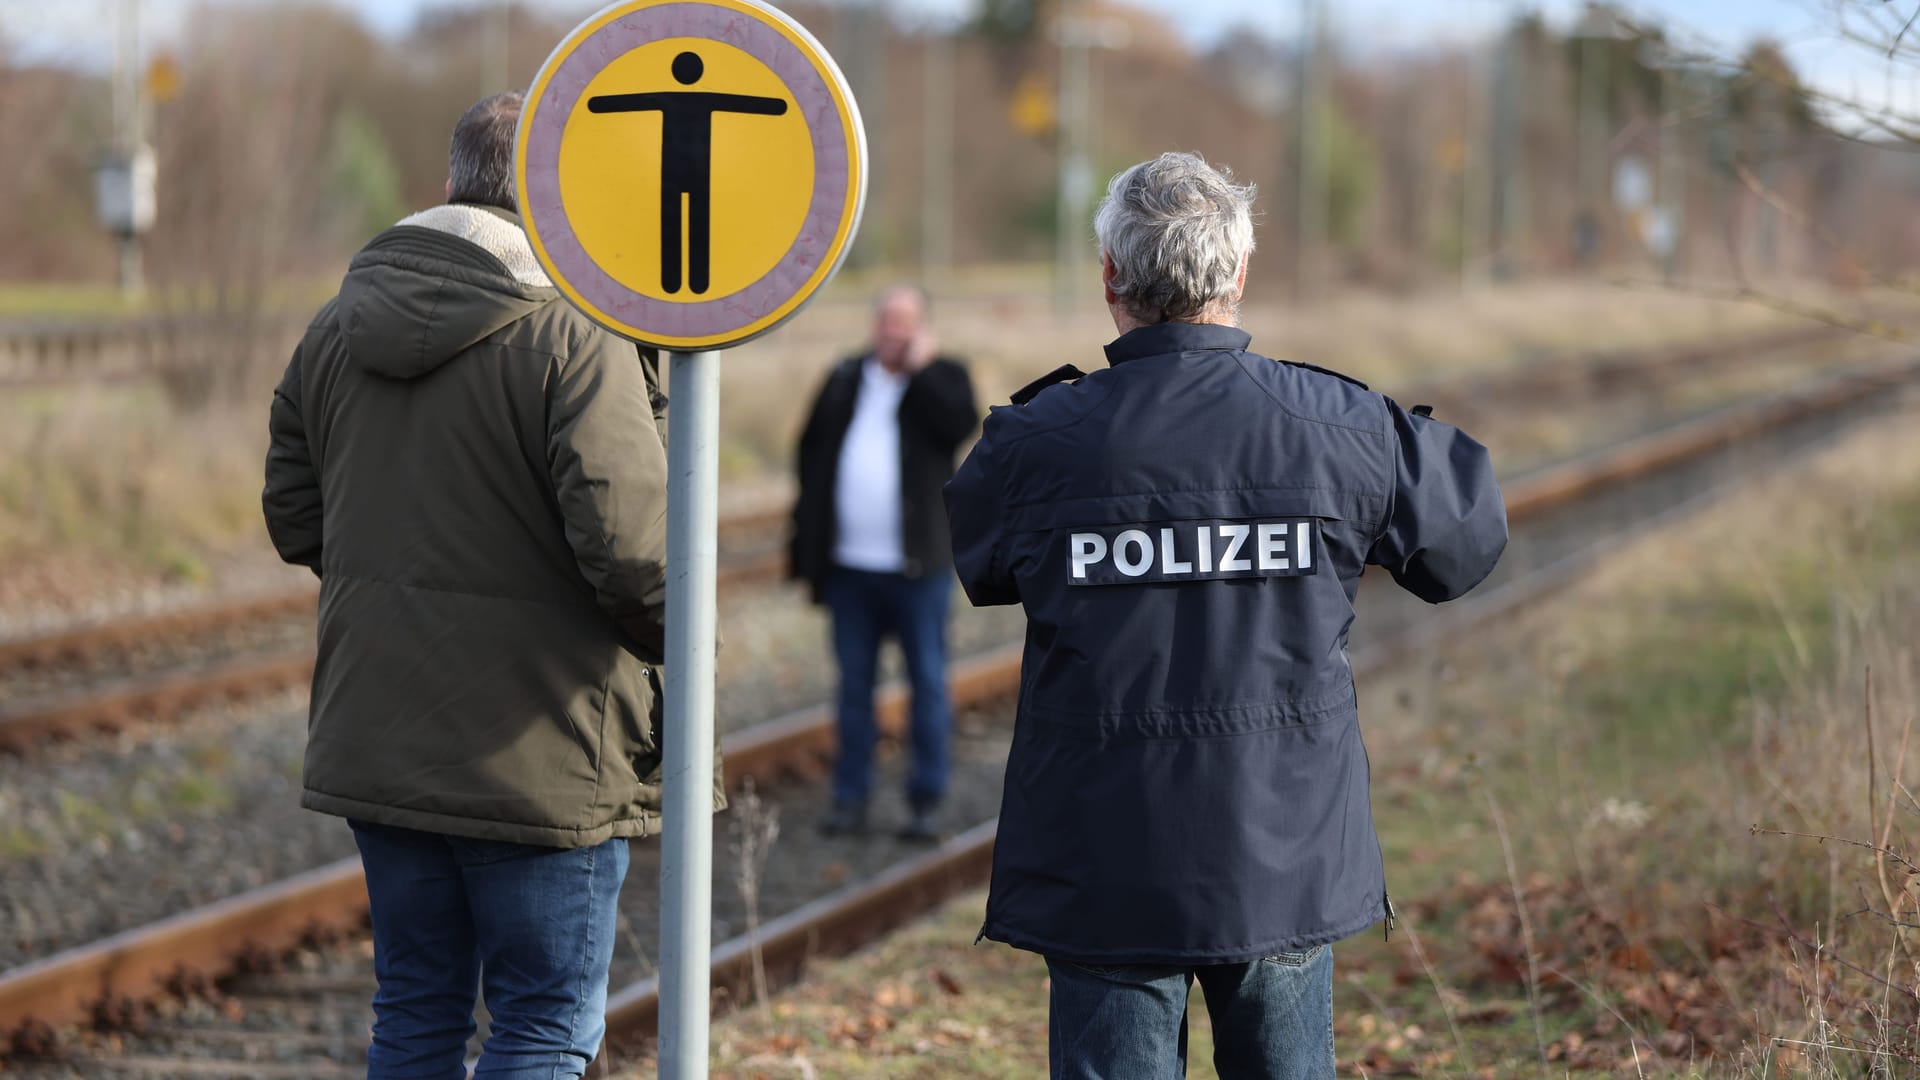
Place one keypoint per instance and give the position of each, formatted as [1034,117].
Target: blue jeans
[530,926]
[866,607]
[1272,1019]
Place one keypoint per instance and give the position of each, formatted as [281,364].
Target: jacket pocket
[1296,959]
[648,753]
[1128,974]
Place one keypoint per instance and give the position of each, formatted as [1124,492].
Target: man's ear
[1240,279]
[449,189]
[1107,273]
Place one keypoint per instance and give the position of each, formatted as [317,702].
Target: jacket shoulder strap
[1065,373]
[1342,376]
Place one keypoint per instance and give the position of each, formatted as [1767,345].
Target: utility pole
[1672,203]
[124,181]
[1595,76]
[496,57]
[1509,149]
[1077,35]
[1474,189]
[1310,152]
[936,148]
[868,35]
[1075,173]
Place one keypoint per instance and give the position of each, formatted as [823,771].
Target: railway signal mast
[1076,33]
[124,180]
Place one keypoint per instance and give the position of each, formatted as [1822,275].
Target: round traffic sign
[690,171]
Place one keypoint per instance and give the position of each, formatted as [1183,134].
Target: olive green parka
[476,473]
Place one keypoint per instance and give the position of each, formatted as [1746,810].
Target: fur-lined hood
[436,284]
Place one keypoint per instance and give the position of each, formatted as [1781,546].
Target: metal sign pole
[603,259]
[686,864]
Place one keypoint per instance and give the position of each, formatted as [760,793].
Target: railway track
[274,654]
[1659,474]
[51,352]
[1609,370]
[57,351]
[174,689]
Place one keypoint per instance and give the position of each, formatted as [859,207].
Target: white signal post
[690,173]
[686,851]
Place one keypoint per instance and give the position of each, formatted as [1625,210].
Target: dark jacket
[474,471]
[937,413]
[1186,530]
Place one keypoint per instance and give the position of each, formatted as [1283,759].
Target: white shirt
[867,490]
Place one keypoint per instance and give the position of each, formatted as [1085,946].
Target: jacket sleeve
[291,499]
[650,365]
[1446,523]
[805,459]
[976,512]
[609,472]
[939,402]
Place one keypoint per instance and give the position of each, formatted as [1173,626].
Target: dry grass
[922,1004]
[1566,806]
[1706,680]
[113,483]
[114,472]
[1009,333]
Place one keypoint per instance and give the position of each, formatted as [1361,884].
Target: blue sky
[78,29]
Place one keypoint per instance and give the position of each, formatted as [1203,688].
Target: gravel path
[317,1010]
[801,865]
[108,834]
[21,687]
[54,593]
[105,834]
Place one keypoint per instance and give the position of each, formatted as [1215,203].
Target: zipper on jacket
[1392,919]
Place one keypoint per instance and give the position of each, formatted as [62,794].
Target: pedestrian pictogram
[690,171]
[686,162]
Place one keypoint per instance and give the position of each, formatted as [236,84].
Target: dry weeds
[116,484]
[1631,733]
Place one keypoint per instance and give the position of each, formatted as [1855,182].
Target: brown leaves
[892,1018]
[1573,1051]
[1390,1049]
[1631,958]
[1650,971]
[859,1030]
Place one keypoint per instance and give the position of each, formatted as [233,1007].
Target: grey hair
[1178,231]
[480,164]
[918,292]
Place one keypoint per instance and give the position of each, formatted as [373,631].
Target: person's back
[437,392]
[474,471]
[1186,531]
[1186,794]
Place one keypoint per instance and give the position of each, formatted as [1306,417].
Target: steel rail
[161,697]
[1601,368]
[862,913]
[221,615]
[1609,369]
[138,964]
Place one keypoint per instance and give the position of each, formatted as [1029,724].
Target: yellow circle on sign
[759,171]
[708,231]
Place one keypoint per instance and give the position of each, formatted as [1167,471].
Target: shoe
[921,827]
[850,820]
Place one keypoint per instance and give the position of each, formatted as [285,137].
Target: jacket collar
[497,232]
[1160,339]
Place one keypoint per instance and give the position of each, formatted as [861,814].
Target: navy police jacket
[1186,530]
